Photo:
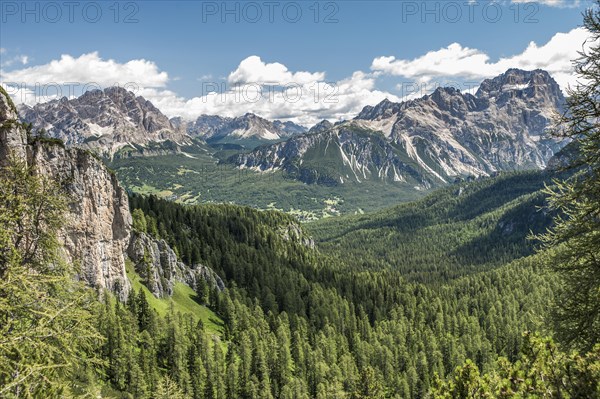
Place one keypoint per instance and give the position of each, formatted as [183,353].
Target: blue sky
[174,51]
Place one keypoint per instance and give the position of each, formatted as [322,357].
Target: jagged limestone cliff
[97,235]
[98,223]
[13,139]
[98,226]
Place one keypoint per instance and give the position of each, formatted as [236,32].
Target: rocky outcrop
[294,233]
[289,128]
[322,126]
[97,234]
[159,267]
[98,223]
[13,138]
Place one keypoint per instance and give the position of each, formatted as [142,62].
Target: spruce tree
[574,240]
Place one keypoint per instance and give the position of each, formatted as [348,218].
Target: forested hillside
[347,324]
[299,320]
[462,229]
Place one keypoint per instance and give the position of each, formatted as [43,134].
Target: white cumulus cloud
[89,69]
[306,101]
[457,61]
[268,89]
[254,70]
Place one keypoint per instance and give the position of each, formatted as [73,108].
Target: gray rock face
[104,120]
[345,153]
[159,267]
[289,129]
[98,223]
[244,127]
[434,139]
[208,126]
[293,232]
[13,139]
[505,126]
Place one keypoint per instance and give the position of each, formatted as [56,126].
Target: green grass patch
[183,300]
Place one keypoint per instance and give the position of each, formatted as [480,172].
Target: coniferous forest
[485,288]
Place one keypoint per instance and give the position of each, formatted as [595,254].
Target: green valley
[198,177]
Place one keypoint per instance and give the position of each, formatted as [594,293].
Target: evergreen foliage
[577,231]
[47,331]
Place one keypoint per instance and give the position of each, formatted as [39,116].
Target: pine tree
[371,385]
[144,313]
[202,290]
[574,241]
[147,360]
[139,221]
[231,382]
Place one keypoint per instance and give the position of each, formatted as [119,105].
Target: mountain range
[424,142]
[114,119]
[506,125]
[215,128]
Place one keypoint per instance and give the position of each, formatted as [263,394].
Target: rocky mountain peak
[248,118]
[247,126]
[251,125]
[385,109]
[104,120]
[321,126]
[207,126]
[454,101]
[536,85]
[289,128]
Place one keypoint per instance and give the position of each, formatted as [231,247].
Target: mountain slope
[103,120]
[344,153]
[458,230]
[451,311]
[436,138]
